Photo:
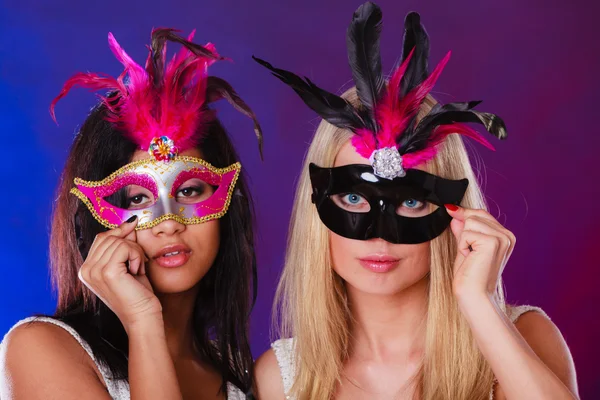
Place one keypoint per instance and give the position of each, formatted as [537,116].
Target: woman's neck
[387,325]
[177,310]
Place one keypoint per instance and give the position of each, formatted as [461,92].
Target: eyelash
[129,200]
[197,189]
[419,206]
[361,200]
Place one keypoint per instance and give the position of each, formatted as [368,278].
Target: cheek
[204,238]
[145,238]
[342,251]
[417,258]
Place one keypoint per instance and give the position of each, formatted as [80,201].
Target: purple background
[534,63]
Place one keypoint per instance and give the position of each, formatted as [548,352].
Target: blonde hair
[311,300]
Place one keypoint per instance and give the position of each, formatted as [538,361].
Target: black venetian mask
[355,203]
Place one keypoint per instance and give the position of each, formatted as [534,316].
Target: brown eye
[137,199]
[190,191]
[193,191]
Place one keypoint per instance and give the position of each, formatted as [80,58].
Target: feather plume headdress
[385,124]
[163,106]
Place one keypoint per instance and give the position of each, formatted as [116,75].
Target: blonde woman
[390,289]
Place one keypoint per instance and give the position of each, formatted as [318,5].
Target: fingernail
[131,219]
[451,207]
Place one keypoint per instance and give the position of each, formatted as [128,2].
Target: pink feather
[145,112]
[137,75]
[411,160]
[394,83]
[387,112]
[364,142]
[441,132]
[394,114]
[87,80]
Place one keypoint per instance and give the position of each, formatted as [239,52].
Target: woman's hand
[484,247]
[115,271]
[529,361]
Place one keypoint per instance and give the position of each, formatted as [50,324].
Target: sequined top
[117,388]
[284,351]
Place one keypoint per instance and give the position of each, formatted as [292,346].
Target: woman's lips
[379,263]
[173,256]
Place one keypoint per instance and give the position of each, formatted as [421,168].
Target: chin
[174,280]
[378,288]
[380,284]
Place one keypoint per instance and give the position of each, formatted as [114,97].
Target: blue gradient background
[534,63]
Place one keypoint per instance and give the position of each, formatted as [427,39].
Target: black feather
[160,36]
[332,108]
[415,37]
[362,40]
[418,138]
[217,89]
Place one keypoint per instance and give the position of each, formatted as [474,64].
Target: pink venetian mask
[163,108]
[186,189]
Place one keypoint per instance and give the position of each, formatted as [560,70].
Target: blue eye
[353,198]
[411,203]
[352,202]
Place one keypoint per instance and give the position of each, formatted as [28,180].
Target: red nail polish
[451,207]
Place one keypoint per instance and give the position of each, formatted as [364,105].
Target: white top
[284,351]
[117,388]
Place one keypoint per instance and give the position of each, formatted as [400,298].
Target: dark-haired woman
[151,247]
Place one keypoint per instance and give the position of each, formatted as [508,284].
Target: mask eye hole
[138,197]
[128,191]
[415,208]
[352,202]
[193,191]
[131,197]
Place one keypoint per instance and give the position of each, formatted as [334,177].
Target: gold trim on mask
[186,221]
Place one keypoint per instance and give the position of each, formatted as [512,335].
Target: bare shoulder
[40,360]
[546,340]
[268,377]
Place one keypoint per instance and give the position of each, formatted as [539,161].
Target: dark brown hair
[224,302]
